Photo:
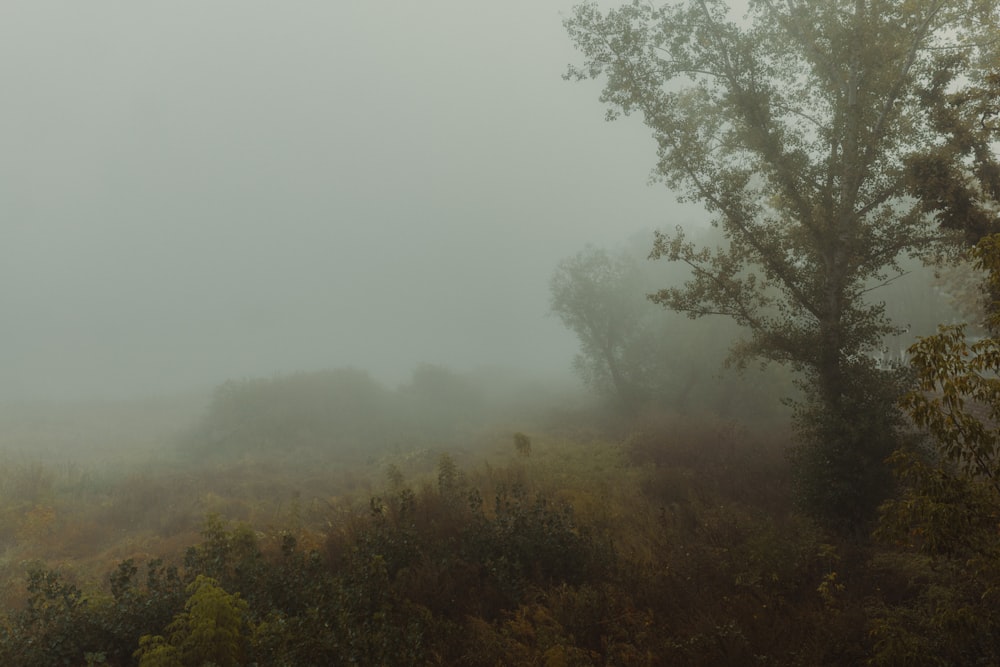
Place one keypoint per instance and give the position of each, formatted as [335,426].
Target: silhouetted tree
[602,299]
[796,129]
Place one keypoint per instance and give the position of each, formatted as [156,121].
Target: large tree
[797,128]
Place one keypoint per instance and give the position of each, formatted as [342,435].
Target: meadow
[210,530]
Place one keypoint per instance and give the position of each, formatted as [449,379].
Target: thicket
[675,541]
[676,546]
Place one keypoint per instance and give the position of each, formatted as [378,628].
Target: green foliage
[230,557]
[531,542]
[959,180]
[60,625]
[693,556]
[134,610]
[958,395]
[53,629]
[839,466]
[155,651]
[943,526]
[958,401]
[794,129]
[208,631]
[391,533]
[379,627]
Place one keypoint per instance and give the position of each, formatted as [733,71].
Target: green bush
[210,630]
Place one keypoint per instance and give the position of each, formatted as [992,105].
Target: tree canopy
[800,129]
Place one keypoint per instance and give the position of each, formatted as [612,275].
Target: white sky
[198,190]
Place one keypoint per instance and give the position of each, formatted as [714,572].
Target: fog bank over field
[192,191]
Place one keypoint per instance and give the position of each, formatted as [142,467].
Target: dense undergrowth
[675,545]
[671,541]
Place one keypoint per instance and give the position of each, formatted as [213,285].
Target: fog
[197,191]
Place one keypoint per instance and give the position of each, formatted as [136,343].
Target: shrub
[208,631]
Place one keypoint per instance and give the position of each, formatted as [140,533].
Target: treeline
[346,410]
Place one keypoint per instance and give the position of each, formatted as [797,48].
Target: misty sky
[192,191]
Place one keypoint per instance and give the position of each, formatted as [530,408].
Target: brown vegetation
[676,544]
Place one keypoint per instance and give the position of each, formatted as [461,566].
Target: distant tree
[798,129]
[334,409]
[602,299]
[437,404]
